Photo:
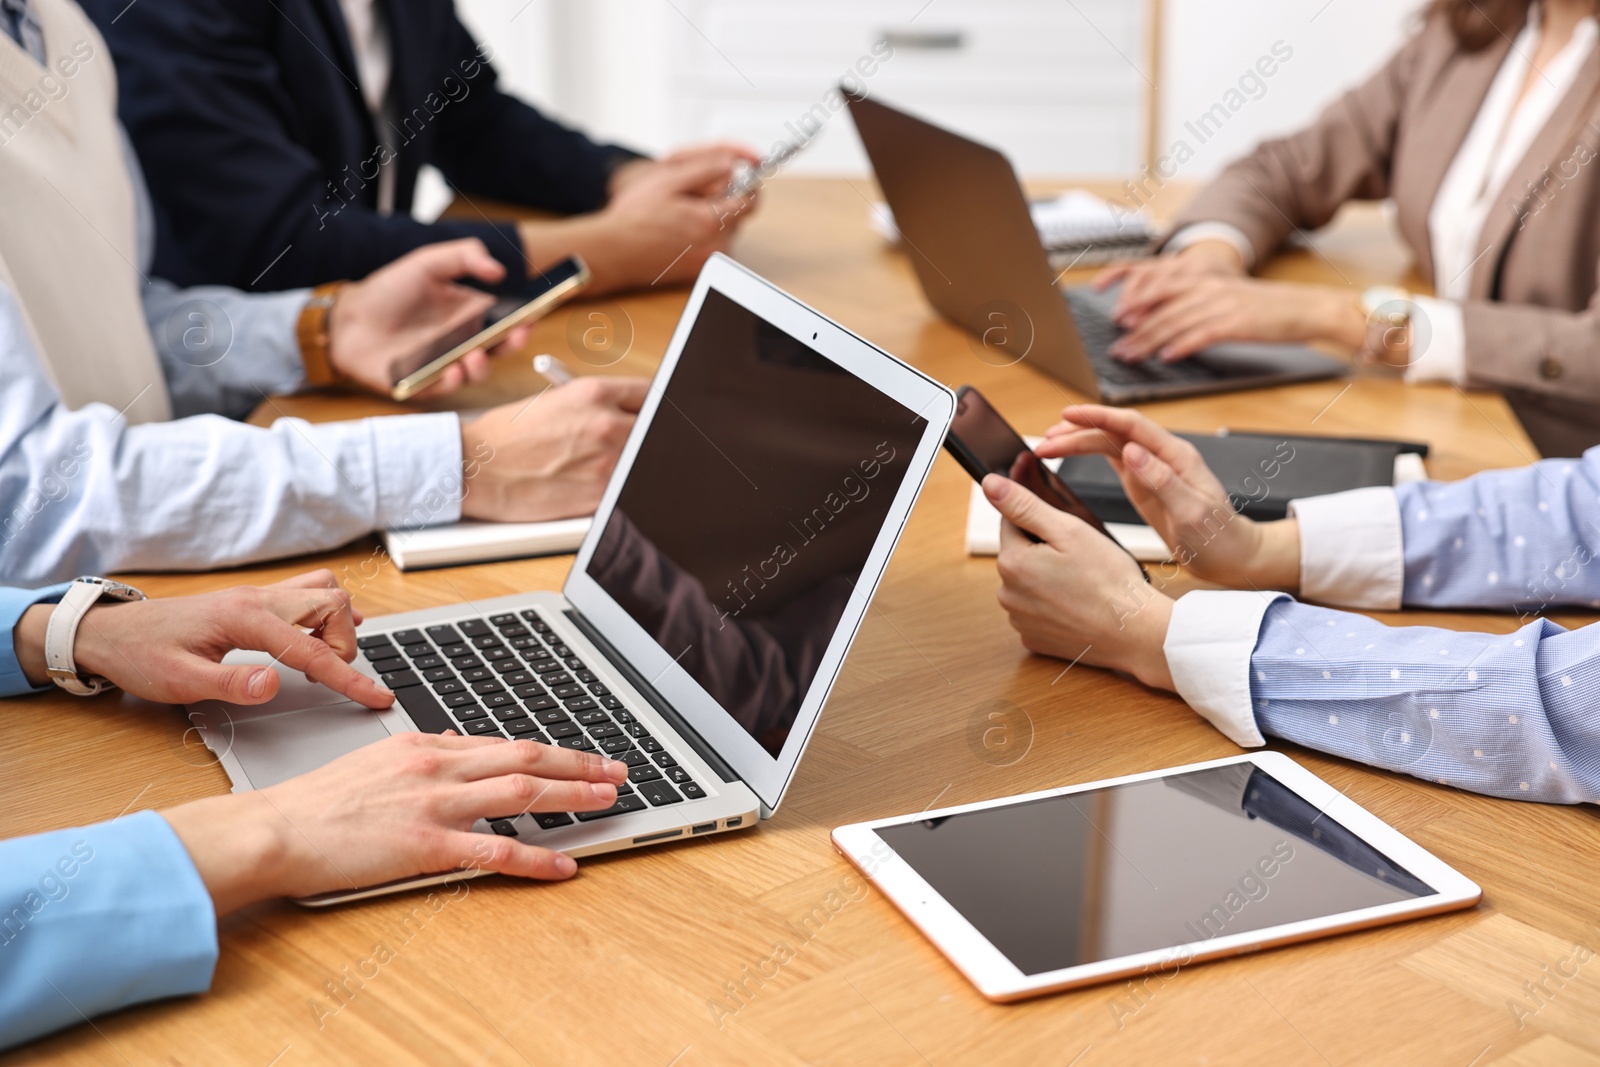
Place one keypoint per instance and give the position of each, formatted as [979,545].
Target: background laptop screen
[751,507]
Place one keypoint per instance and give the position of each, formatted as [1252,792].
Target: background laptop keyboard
[512,676]
[1099,332]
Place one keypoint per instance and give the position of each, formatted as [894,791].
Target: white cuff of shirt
[1351,548]
[418,469]
[1209,643]
[1194,233]
[1438,343]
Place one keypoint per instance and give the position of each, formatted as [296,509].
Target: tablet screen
[1180,860]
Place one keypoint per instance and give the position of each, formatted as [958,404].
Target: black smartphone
[984,443]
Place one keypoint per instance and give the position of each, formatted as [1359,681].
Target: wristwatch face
[115,590]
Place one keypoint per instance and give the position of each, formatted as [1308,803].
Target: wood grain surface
[764,948]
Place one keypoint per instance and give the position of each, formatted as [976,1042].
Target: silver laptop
[965,223]
[708,612]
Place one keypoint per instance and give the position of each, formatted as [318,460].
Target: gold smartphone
[551,288]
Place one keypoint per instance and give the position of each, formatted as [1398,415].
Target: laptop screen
[750,510]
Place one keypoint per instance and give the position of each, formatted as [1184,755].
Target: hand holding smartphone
[551,288]
[984,443]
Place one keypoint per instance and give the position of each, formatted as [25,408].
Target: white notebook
[481,542]
[983,521]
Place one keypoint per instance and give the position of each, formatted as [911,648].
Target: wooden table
[656,957]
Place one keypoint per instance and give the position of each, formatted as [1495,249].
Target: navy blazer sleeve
[260,153]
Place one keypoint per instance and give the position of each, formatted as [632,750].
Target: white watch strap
[61,632]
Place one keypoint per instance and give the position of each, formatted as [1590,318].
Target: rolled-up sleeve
[97,918]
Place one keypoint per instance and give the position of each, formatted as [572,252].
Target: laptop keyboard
[1098,332]
[511,675]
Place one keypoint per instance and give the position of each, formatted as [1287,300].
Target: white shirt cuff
[1209,643]
[419,471]
[1438,342]
[1194,233]
[1351,548]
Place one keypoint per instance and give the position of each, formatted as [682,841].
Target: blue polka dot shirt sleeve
[1508,715]
[1523,539]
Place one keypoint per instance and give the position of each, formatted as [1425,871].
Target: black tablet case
[1305,466]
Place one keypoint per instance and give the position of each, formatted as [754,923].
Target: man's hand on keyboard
[170,649]
[402,807]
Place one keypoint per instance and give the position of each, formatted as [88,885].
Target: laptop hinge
[657,701]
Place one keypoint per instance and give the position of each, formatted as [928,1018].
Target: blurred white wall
[622,68]
[1208,46]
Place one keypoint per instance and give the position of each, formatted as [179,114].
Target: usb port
[737,820]
[705,828]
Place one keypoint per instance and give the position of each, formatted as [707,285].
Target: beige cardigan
[67,231]
[1533,318]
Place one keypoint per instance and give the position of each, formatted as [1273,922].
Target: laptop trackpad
[305,726]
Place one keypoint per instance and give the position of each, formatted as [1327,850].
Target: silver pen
[554,371]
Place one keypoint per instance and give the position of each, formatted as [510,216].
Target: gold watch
[315,340]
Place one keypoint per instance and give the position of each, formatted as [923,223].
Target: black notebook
[1262,472]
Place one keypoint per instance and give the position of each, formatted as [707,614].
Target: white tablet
[1152,872]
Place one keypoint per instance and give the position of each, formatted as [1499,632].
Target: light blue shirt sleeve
[1524,539]
[82,492]
[13,604]
[97,918]
[221,350]
[1511,715]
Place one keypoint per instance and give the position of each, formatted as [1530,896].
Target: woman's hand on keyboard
[1170,485]
[170,649]
[398,808]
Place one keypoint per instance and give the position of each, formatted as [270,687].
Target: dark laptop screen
[750,510]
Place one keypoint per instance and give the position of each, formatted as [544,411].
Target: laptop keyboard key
[613,746]
[643,773]
[482,728]
[469,663]
[488,685]
[613,704]
[380,652]
[524,728]
[424,710]
[517,678]
[580,704]
[473,627]
[551,716]
[592,718]
[468,712]
[679,775]
[372,640]
[530,691]
[564,729]
[507,666]
[503,827]
[506,619]
[605,730]
[664,759]
[621,807]
[649,744]
[408,637]
[444,634]
[389,665]
[499,652]
[550,820]
[398,680]
[581,743]
[567,691]
[456,650]
[460,699]
[501,700]
[413,651]
[659,793]
[427,663]
[634,758]
[693,791]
